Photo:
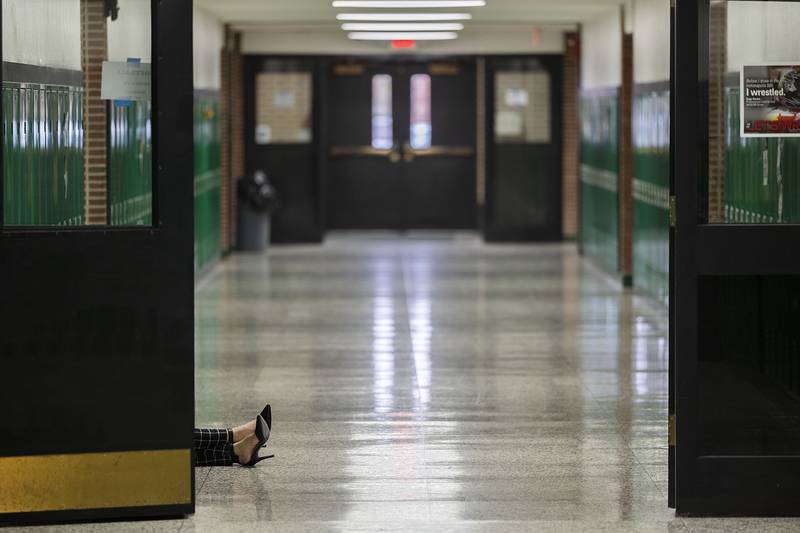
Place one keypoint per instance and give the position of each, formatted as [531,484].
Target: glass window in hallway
[522,107]
[382,117]
[753,149]
[283,108]
[77,148]
[421,129]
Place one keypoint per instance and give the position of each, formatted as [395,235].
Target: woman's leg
[213,447]
[223,454]
[243,431]
[212,439]
[208,457]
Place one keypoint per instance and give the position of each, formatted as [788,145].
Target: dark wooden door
[523,171]
[401,145]
[737,268]
[282,122]
[97,327]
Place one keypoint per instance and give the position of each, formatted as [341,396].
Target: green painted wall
[761,185]
[599,177]
[207,181]
[130,182]
[43,154]
[651,192]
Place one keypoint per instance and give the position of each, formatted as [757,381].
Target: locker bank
[402,265]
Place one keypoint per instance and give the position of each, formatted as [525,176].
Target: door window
[753,114]
[421,129]
[77,130]
[382,117]
[283,108]
[522,107]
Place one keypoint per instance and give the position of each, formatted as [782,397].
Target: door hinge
[673,212]
[671,430]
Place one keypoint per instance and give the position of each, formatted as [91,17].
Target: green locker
[600,177]
[43,154]
[130,165]
[651,139]
[207,181]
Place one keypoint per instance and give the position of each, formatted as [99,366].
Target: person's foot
[245,430]
[246,449]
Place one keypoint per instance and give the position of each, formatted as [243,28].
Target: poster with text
[770,100]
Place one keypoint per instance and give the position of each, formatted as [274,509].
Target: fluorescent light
[403,36]
[413,26]
[402,17]
[408,3]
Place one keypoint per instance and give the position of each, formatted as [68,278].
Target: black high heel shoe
[262,434]
[266,414]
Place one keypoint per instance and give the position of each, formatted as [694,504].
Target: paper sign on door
[126,81]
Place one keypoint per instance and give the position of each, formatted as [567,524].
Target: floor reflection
[419,381]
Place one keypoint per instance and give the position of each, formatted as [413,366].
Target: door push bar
[407,153]
[410,153]
[367,151]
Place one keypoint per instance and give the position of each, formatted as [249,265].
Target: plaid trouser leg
[213,447]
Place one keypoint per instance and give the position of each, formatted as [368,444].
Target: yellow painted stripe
[95,481]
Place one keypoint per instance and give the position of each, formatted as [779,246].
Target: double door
[401,145]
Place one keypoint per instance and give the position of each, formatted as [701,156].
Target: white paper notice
[285,99]
[126,81]
[508,124]
[263,134]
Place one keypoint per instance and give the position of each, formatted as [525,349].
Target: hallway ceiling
[246,13]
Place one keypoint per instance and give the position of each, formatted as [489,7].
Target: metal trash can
[257,201]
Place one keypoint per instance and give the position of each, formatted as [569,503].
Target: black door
[737,268]
[523,166]
[281,121]
[97,381]
[401,145]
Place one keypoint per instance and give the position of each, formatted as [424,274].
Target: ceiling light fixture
[408,3]
[403,36]
[436,26]
[402,17]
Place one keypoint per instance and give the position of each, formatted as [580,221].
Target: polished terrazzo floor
[434,383]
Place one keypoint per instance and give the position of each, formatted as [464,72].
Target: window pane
[283,108]
[77,140]
[421,129]
[130,150]
[382,121]
[522,107]
[753,142]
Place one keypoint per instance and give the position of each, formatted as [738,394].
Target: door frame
[156,258]
[702,483]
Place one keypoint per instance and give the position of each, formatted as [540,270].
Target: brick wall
[232,161]
[94,50]
[237,126]
[480,138]
[225,150]
[625,187]
[571,136]
[717,68]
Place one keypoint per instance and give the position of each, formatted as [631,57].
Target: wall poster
[770,100]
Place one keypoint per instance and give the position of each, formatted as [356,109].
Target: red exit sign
[403,44]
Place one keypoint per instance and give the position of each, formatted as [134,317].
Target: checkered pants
[213,447]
